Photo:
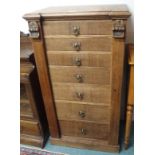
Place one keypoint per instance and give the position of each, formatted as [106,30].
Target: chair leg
[129,115]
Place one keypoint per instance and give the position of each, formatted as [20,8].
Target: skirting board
[85,143]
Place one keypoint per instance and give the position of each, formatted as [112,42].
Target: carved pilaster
[34,29]
[119,29]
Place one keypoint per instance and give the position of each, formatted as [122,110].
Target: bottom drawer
[84,129]
[29,127]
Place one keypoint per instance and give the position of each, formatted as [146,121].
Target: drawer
[23,92]
[82,92]
[84,129]
[86,58]
[78,44]
[25,109]
[68,110]
[29,127]
[90,75]
[86,27]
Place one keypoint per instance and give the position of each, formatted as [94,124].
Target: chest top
[81,12]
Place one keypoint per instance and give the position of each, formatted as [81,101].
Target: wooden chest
[33,121]
[79,53]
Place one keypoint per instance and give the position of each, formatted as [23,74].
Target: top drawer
[86,27]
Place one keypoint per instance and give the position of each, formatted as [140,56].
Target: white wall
[32,5]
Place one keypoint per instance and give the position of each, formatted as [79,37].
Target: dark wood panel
[30,127]
[23,94]
[32,140]
[25,109]
[43,74]
[117,75]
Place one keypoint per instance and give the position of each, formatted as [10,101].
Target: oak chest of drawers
[33,121]
[79,53]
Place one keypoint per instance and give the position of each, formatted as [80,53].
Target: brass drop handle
[80,95]
[77,46]
[83,131]
[79,78]
[78,62]
[76,30]
[82,114]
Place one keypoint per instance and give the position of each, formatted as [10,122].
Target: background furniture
[33,122]
[79,53]
[130,100]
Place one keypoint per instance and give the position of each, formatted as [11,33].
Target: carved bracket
[119,29]
[34,29]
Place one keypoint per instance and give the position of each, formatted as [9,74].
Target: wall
[29,5]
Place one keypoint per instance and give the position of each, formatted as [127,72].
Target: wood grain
[87,43]
[71,111]
[32,140]
[85,143]
[93,130]
[34,128]
[89,27]
[88,58]
[43,74]
[91,92]
[25,109]
[29,127]
[117,75]
[23,93]
[90,75]
[100,93]
[81,12]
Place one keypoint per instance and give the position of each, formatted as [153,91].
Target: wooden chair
[130,100]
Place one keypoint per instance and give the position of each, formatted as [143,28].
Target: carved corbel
[119,29]
[34,29]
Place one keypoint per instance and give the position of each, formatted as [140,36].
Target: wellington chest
[33,121]
[79,53]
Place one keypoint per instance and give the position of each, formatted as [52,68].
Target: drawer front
[87,27]
[23,92]
[78,44]
[82,92]
[86,58]
[29,127]
[25,109]
[67,110]
[90,75]
[84,129]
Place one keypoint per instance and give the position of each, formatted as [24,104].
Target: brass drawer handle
[78,62]
[79,78]
[77,46]
[76,30]
[82,114]
[83,131]
[80,95]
